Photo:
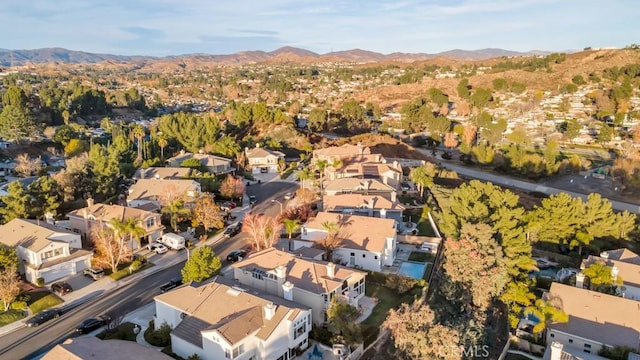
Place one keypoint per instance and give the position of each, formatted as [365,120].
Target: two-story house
[149,194]
[364,242]
[95,217]
[163,173]
[261,160]
[216,165]
[360,186]
[627,268]
[333,153]
[364,205]
[44,250]
[220,320]
[389,174]
[595,319]
[305,281]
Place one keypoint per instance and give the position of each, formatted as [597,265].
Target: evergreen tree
[17,202]
[202,264]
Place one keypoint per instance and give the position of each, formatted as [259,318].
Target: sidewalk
[141,317]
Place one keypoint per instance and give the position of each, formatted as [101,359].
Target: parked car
[289,196]
[92,324]
[160,249]
[173,241]
[237,255]
[43,317]
[252,200]
[61,288]
[229,204]
[232,230]
[93,272]
[172,284]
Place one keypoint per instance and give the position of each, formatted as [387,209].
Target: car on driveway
[172,284]
[92,324]
[237,255]
[61,288]
[232,230]
[93,272]
[43,317]
[289,196]
[159,248]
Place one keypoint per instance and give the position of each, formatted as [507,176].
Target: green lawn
[42,300]
[424,228]
[387,299]
[124,271]
[122,332]
[7,317]
[420,256]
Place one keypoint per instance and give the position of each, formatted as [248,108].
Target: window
[552,335]
[587,348]
[570,341]
[300,329]
[258,274]
[238,351]
[151,222]
[51,253]
[227,353]
[375,257]
[364,256]
[353,254]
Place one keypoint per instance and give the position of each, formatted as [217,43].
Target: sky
[176,27]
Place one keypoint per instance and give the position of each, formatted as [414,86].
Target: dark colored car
[172,284]
[232,230]
[93,272]
[61,288]
[43,317]
[92,324]
[237,255]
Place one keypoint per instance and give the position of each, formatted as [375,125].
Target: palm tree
[138,133]
[128,228]
[162,142]
[332,240]
[175,209]
[290,225]
[423,176]
[304,175]
[320,166]
[546,313]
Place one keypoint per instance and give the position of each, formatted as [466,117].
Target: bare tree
[9,286]
[263,231]
[26,166]
[171,194]
[111,250]
[208,213]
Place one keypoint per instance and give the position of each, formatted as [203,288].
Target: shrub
[20,303]
[40,282]
[321,335]
[160,337]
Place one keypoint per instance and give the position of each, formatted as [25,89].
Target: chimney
[182,152]
[614,273]
[143,173]
[396,164]
[580,280]
[89,202]
[331,270]
[394,196]
[604,255]
[287,291]
[49,218]
[556,351]
[269,310]
[383,213]
[360,148]
[281,273]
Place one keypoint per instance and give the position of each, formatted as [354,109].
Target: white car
[161,249]
[289,196]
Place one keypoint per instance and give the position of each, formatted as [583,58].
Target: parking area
[77,281]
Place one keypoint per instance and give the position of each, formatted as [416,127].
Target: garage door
[81,265]
[55,274]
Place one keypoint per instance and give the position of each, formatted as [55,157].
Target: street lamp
[274,200]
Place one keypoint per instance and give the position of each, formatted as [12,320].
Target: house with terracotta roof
[333,153]
[389,174]
[365,242]
[216,165]
[149,193]
[95,217]
[221,320]
[305,281]
[261,160]
[45,250]
[624,264]
[595,319]
[364,205]
[360,186]
[163,173]
[90,348]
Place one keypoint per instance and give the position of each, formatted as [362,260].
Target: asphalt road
[28,343]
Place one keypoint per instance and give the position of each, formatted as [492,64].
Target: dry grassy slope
[383,144]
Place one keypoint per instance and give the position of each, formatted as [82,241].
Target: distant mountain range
[287,53]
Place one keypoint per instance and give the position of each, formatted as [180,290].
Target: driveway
[264,178]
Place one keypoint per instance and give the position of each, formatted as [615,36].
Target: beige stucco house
[307,282]
[261,160]
[44,250]
[149,193]
[216,165]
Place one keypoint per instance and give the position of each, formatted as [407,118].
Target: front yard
[42,300]
[7,317]
[122,332]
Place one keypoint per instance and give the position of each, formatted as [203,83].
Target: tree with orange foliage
[111,249]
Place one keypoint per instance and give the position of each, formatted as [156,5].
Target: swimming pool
[413,269]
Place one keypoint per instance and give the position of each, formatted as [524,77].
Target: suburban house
[595,319]
[333,153]
[304,281]
[366,242]
[44,250]
[261,160]
[214,164]
[365,205]
[360,186]
[628,269]
[221,321]
[163,173]
[95,217]
[149,193]
[557,351]
[90,347]
[389,174]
